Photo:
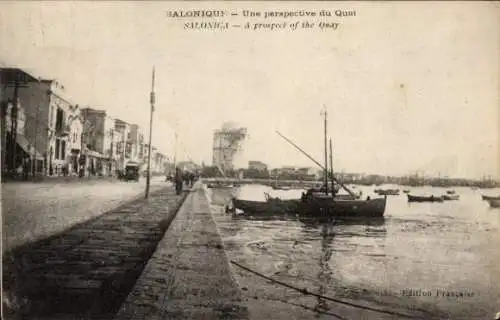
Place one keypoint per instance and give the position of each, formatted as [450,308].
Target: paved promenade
[33,211]
[188,276]
[86,272]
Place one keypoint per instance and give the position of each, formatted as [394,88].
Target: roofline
[20,70]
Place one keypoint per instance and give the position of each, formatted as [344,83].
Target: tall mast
[326,153]
[331,167]
[152,101]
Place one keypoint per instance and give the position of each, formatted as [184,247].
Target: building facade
[123,144]
[136,144]
[257,165]
[98,142]
[50,121]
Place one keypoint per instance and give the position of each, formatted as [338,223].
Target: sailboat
[324,201]
[330,204]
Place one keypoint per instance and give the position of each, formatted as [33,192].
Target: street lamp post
[35,160]
[152,101]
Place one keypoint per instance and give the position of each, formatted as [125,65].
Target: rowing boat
[424,198]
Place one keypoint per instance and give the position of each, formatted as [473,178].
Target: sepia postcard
[250,160]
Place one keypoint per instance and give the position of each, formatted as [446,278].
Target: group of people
[181,178]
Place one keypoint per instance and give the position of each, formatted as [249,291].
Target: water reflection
[450,245]
[324,278]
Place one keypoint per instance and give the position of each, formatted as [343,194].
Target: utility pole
[331,168]
[326,152]
[175,150]
[35,161]
[13,127]
[152,101]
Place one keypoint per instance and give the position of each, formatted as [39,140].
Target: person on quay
[178,181]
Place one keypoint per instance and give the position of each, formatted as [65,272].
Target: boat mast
[331,168]
[326,154]
[313,160]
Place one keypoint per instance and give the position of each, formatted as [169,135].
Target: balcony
[62,131]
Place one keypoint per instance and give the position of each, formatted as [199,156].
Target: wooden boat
[450,192]
[406,191]
[494,203]
[448,197]
[326,202]
[327,205]
[270,206]
[387,192]
[424,198]
[490,197]
[275,187]
[220,185]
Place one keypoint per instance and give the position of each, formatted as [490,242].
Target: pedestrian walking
[178,181]
[191,179]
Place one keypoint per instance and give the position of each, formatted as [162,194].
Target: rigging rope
[306,292]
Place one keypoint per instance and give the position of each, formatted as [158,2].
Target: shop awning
[27,146]
[94,154]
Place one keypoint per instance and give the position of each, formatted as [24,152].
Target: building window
[59,119]
[63,149]
[57,149]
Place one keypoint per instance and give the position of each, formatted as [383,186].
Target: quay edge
[188,276]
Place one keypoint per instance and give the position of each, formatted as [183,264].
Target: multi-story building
[257,165]
[137,144]
[123,143]
[51,121]
[98,141]
[13,116]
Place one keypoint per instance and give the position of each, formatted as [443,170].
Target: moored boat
[270,206]
[275,187]
[490,197]
[326,205]
[448,197]
[494,203]
[327,202]
[406,191]
[387,192]
[450,192]
[424,198]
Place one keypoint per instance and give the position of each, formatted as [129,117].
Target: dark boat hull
[490,197]
[424,199]
[343,208]
[315,206]
[389,192]
[271,206]
[494,203]
[451,197]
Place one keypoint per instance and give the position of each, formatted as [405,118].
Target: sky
[409,87]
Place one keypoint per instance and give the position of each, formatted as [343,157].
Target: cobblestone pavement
[85,272]
[188,276]
[35,210]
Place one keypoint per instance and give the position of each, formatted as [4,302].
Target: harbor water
[432,260]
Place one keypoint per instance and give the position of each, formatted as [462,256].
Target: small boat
[387,192]
[494,203]
[450,192]
[220,186]
[270,206]
[406,191]
[275,187]
[448,197]
[326,205]
[424,198]
[490,197]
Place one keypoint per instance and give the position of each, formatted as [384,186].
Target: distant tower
[226,144]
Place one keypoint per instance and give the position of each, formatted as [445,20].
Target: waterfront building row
[43,132]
